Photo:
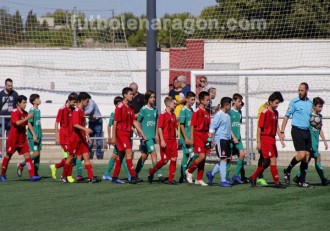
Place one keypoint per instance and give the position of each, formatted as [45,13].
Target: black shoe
[246,180]
[150,177]
[162,179]
[94,180]
[325,182]
[296,179]
[286,177]
[279,185]
[182,180]
[173,182]
[135,180]
[253,182]
[305,185]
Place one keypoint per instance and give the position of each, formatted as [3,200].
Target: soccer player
[236,144]
[200,123]
[316,133]
[266,142]
[167,128]
[114,156]
[62,135]
[220,135]
[17,140]
[148,117]
[300,109]
[185,121]
[121,134]
[78,145]
[34,135]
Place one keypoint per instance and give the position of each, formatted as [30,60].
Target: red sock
[89,170]
[30,166]
[200,171]
[257,172]
[70,170]
[5,163]
[193,167]
[130,167]
[273,170]
[159,165]
[60,164]
[172,169]
[65,171]
[116,171]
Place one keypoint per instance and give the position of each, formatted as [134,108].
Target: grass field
[52,205]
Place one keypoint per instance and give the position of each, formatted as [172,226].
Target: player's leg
[30,165]
[129,162]
[319,169]
[183,167]
[5,161]
[79,159]
[111,163]
[172,152]
[66,168]
[116,171]
[163,161]
[239,165]
[124,164]
[99,141]
[260,169]
[140,162]
[89,167]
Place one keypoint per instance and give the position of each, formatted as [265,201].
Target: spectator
[185,89]
[213,93]
[201,85]
[138,98]
[175,92]
[8,98]
[95,123]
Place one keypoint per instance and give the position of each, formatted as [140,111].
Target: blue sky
[104,7]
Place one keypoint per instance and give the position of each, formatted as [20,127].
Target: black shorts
[223,149]
[302,139]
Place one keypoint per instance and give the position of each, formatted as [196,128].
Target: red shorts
[20,148]
[78,147]
[268,146]
[170,151]
[123,141]
[200,139]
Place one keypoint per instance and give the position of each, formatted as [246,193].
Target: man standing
[138,98]
[300,109]
[95,123]
[8,98]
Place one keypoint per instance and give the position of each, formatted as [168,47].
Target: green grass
[52,205]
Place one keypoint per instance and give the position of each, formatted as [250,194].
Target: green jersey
[185,120]
[236,119]
[111,119]
[36,123]
[315,134]
[148,119]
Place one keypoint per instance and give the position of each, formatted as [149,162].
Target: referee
[300,109]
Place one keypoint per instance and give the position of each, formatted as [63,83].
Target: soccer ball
[315,120]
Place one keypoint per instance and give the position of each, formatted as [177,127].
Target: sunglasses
[202,81]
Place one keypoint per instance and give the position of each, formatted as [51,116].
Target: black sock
[260,163]
[303,171]
[293,163]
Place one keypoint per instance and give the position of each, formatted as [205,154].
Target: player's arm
[284,123]
[109,133]
[324,140]
[234,137]
[288,113]
[138,128]
[280,136]
[258,138]
[30,126]
[57,134]
[22,121]
[160,132]
[114,134]
[87,130]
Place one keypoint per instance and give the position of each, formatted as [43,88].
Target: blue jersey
[221,126]
[301,111]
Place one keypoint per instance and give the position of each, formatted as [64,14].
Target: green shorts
[235,148]
[147,146]
[315,151]
[35,146]
[115,150]
[187,149]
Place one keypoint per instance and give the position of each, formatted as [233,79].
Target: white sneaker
[200,182]
[189,177]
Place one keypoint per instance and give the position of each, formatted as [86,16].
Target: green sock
[79,167]
[298,173]
[110,165]
[184,164]
[238,166]
[124,164]
[192,160]
[24,162]
[319,170]
[159,172]
[36,165]
[139,166]
[228,169]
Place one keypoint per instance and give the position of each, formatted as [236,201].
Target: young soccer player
[167,128]
[316,133]
[236,144]
[148,117]
[185,121]
[34,135]
[17,140]
[220,134]
[78,145]
[121,134]
[266,142]
[62,135]
[114,156]
[200,123]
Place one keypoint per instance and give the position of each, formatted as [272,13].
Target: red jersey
[78,117]
[124,115]
[64,115]
[268,121]
[17,133]
[168,123]
[201,120]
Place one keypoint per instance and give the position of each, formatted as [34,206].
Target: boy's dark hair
[202,95]
[83,96]
[73,96]
[147,96]
[318,100]
[33,97]
[117,100]
[225,101]
[20,98]
[237,96]
[274,96]
[8,80]
[306,85]
[126,90]
[190,94]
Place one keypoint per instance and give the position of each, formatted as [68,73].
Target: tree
[32,23]
[18,23]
